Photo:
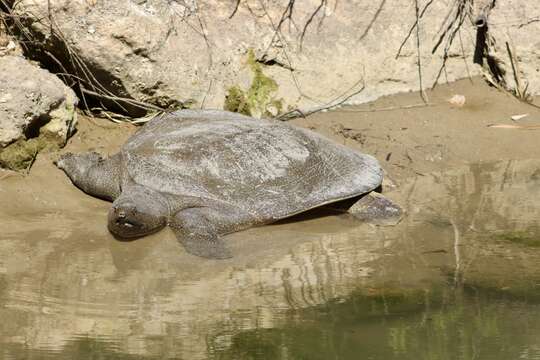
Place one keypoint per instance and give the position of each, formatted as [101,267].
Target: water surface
[459,278]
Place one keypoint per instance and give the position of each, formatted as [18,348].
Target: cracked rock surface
[37,111]
[197,53]
[277,54]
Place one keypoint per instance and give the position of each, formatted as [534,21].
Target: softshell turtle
[207,173]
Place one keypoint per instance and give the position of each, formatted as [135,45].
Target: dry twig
[330,105]
[418,52]
[391,108]
[513,126]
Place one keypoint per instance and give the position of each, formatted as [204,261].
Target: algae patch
[236,101]
[259,99]
[526,238]
[21,154]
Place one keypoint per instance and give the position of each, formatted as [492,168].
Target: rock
[37,111]
[268,57]
[198,54]
[516,30]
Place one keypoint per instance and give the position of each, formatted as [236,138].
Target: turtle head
[137,212]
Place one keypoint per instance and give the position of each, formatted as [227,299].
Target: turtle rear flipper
[376,209]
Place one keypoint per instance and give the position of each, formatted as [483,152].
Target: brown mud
[471,194]
[411,139]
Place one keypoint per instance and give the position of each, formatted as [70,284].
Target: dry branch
[340,100]
[418,52]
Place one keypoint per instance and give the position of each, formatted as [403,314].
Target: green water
[460,325]
[459,278]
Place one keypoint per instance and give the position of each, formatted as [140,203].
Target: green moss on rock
[259,99]
[60,124]
[21,154]
[236,101]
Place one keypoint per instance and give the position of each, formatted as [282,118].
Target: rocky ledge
[37,111]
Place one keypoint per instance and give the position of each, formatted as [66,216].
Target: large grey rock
[203,53]
[514,28]
[193,52]
[36,111]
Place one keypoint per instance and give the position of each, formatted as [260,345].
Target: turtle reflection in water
[207,173]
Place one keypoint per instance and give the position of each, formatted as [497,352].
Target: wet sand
[419,140]
[470,194]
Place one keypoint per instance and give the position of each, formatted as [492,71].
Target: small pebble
[457,100]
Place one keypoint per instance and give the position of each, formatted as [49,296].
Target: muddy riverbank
[472,194]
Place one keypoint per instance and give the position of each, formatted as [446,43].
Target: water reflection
[472,327]
[458,276]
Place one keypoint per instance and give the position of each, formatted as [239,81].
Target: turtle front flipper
[376,209]
[198,229]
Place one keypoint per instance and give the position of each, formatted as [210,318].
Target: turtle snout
[63,160]
[126,222]
[121,216]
